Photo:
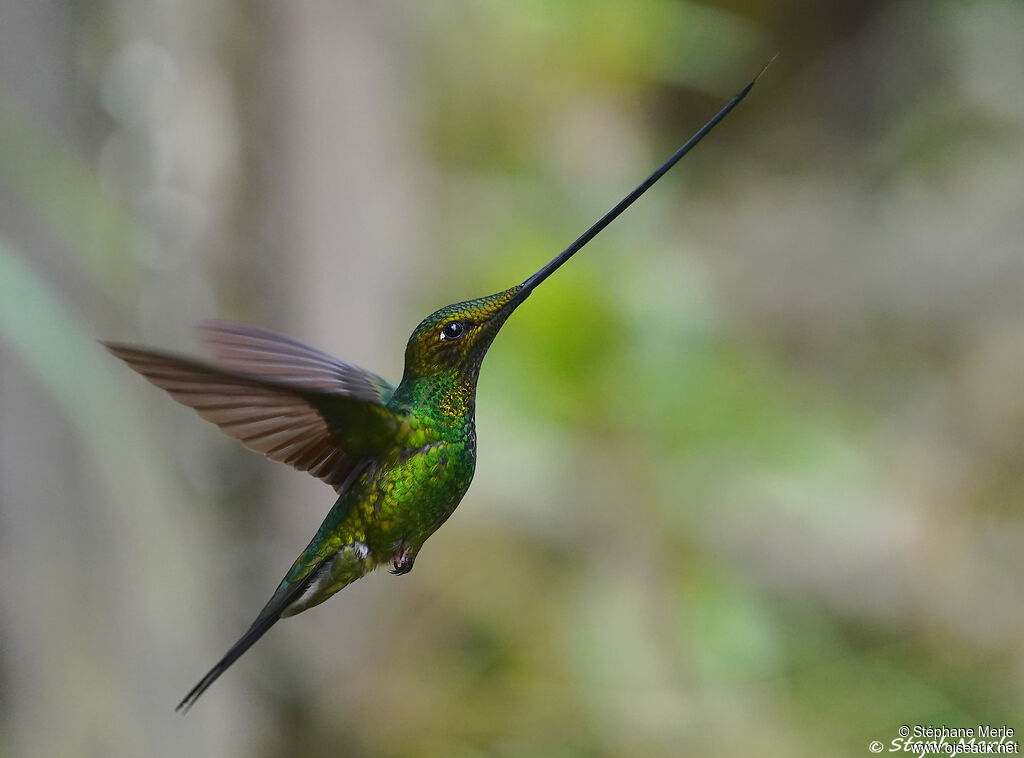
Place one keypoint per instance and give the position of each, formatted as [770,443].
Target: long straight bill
[628,200]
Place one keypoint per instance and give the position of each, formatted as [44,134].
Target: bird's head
[455,338]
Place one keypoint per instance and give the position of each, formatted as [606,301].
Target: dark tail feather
[258,629]
[270,615]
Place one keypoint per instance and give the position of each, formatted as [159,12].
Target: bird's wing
[256,351]
[321,431]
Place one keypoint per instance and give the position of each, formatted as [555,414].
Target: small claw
[403,562]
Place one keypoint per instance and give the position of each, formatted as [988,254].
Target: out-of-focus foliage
[751,474]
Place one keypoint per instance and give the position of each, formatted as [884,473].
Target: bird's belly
[416,493]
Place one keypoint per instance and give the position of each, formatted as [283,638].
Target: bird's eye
[453,330]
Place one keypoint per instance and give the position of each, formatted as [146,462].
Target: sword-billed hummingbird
[400,458]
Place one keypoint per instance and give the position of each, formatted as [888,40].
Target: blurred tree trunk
[343,181]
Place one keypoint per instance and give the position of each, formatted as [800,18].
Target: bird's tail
[270,615]
[314,578]
[257,630]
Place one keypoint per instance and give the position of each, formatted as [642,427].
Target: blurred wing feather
[269,355]
[325,433]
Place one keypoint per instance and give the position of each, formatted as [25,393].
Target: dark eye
[453,330]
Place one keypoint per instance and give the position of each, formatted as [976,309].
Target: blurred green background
[750,477]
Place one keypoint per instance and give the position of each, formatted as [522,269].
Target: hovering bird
[400,458]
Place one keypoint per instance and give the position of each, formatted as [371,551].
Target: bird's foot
[404,557]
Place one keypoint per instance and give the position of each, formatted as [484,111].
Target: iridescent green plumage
[400,498]
[401,459]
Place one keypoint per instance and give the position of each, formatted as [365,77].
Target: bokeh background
[750,477]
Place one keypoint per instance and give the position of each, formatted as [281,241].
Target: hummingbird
[399,458]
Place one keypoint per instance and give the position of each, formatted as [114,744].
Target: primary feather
[320,428]
[270,355]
